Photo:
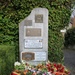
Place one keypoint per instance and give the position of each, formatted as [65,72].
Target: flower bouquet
[47,68]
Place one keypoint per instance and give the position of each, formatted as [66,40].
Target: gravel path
[69,60]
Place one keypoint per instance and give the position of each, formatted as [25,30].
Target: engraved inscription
[33,43]
[40,56]
[33,32]
[28,56]
[28,22]
[39,18]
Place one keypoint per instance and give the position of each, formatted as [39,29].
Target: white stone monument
[33,37]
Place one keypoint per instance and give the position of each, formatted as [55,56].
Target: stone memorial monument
[33,37]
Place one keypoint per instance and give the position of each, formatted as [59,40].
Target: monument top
[35,12]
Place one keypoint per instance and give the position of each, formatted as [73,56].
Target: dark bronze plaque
[39,18]
[33,32]
[28,22]
[28,56]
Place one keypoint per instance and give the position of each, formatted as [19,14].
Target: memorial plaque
[28,23]
[33,32]
[38,18]
[34,56]
[28,56]
[40,56]
[33,44]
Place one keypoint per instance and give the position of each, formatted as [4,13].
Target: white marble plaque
[40,56]
[33,44]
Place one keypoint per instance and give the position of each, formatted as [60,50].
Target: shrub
[70,37]
[55,47]
[7,59]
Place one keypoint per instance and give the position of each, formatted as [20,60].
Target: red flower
[13,73]
[62,69]
[55,65]
[52,70]
[59,65]
[48,65]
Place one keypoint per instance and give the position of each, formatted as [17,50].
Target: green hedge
[7,59]
[55,46]
[13,12]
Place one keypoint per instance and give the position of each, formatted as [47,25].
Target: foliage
[70,37]
[73,4]
[59,13]
[55,46]
[7,59]
[13,12]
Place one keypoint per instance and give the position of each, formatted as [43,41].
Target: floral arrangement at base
[47,68]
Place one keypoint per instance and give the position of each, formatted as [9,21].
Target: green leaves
[7,59]
[55,46]
[59,16]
